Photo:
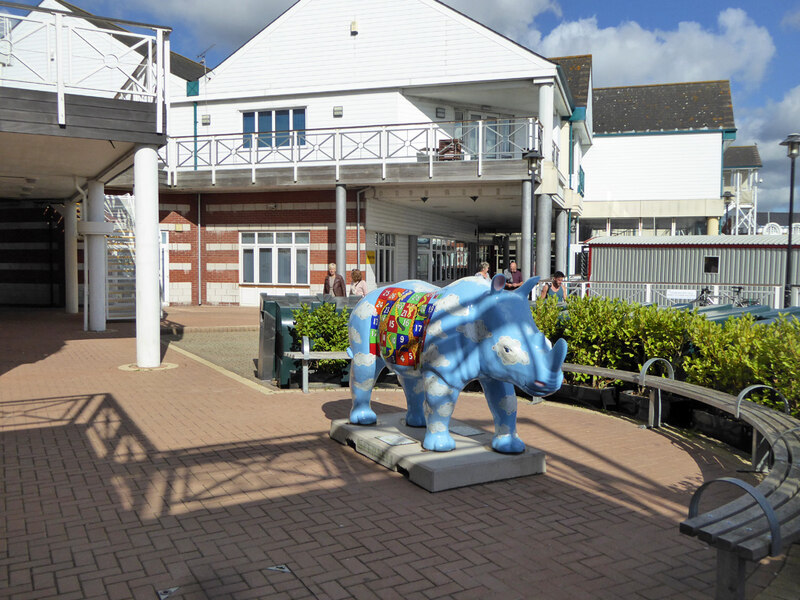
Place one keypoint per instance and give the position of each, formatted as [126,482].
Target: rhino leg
[411,380]
[502,401]
[440,400]
[364,371]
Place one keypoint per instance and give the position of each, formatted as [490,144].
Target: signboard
[370,257]
[681,294]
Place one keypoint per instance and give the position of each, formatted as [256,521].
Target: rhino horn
[558,354]
[525,289]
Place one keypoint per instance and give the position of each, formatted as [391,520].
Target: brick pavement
[120,483]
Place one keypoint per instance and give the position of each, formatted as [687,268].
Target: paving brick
[117,483]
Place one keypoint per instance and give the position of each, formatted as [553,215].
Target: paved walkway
[118,483]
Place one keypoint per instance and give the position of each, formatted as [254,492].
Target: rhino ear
[525,289]
[498,283]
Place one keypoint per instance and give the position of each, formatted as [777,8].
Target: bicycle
[738,301]
[704,298]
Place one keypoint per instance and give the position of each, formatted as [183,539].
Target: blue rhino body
[476,330]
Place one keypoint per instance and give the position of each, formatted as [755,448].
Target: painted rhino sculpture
[438,339]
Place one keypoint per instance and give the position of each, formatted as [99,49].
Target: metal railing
[477,141]
[56,51]
[669,294]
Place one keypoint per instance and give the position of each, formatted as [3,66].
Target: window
[275,257]
[274,127]
[441,260]
[711,265]
[384,258]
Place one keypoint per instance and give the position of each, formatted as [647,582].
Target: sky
[754,45]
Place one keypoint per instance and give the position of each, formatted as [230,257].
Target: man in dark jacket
[334,283]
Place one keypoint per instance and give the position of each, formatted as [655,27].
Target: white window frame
[272,133]
[385,255]
[269,240]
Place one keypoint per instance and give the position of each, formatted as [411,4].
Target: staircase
[120,261]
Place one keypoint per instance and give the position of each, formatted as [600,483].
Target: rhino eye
[507,349]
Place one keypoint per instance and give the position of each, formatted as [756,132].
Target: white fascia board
[360,87]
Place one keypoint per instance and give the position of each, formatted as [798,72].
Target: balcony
[68,87]
[472,143]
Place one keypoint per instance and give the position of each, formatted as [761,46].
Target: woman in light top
[484,272]
[358,287]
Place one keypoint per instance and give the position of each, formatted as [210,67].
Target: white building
[371,148]
[655,167]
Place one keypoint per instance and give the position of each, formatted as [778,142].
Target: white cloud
[365,310]
[511,18]
[476,331]
[435,330]
[768,126]
[508,404]
[432,358]
[434,387]
[628,54]
[446,409]
[451,304]
[510,351]
[792,19]
[355,337]
[363,360]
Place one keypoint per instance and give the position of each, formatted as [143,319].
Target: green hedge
[728,357]
[619,335]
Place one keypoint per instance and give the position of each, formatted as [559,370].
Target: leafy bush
[326,330]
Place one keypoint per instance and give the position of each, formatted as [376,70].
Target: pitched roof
[180,66]
[699,105]
[578,70]
[741,157]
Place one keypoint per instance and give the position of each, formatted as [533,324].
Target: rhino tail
[350,352]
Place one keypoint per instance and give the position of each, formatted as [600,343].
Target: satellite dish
[772,229]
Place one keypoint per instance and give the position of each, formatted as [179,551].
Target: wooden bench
[765,520]
[307,355]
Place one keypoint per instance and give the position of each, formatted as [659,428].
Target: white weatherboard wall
[399,43]
[677,166]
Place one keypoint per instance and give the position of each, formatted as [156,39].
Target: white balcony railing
[383,145]
[52,50]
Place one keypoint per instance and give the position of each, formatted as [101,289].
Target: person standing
[513,277]
[334,283]
[555,287]
[358,287]
[484,271]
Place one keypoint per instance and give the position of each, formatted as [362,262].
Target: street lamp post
[792,144]
[727,197]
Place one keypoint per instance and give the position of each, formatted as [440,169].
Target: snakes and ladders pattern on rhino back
[397,332]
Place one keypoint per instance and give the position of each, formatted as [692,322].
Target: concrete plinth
[395,446]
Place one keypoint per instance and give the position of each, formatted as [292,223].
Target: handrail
[776,544]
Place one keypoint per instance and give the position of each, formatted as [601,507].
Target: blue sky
[755,45]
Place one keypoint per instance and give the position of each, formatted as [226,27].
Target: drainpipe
[569,226]
[199,254]
[195,136]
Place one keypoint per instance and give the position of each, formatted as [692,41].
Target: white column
[148,301]
[562,225]
[544,230]
[546,117]
[71,257]
[341,230]
[524,255]
[95,251]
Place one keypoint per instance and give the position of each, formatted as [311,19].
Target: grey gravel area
[235,351]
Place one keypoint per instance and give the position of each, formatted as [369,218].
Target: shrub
[326,330]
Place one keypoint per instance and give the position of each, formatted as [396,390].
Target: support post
[71,258]
[524,257]
[148,299]
[341,229]
[730,576]
[562,231]
[544,217]
[95,246]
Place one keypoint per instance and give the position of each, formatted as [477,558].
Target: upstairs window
[274,127]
